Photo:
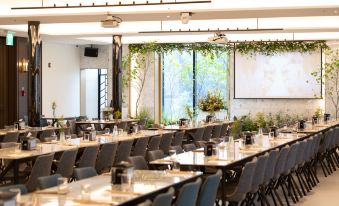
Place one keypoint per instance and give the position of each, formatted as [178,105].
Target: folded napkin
[123,192]
[179,172]
[52,192]
[95,202]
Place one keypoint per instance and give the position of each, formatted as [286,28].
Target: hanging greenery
[271,48]
[204,48]
[266,48]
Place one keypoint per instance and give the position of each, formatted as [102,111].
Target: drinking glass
[172,153]
[115,130]
[107,131]
[62,185]
[126,181]
[86,191]
[120,131]
[17,148]
[68,138]
[16,127]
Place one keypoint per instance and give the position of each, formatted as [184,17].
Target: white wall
[61,82]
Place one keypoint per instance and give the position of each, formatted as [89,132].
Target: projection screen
[284,75]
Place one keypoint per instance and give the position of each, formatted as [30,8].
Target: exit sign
[10,38]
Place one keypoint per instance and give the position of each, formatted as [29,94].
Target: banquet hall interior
[169,102]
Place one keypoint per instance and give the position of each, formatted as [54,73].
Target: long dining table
[237,155]
[27,129]
[145,184]
[16,156]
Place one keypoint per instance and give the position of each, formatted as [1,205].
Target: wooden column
[117,73]
[34,73]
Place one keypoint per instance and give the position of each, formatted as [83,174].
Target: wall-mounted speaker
[91,52]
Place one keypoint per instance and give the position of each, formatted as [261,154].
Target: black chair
[188,194]
[11,137]
[140,147]
[189,147]
[207,134]
[106,157]
[216,132]
[209,189]
[88,157]
[124,151]
[48,181]
[154,143]
[66,163]
[165,142]
[154,155]
[41,168]
[177,139]
[138,162]
[164,199]
[84,172]
[8,188]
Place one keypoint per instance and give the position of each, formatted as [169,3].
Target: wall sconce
[23,65]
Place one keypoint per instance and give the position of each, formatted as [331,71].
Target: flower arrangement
[212,102]
[189,112]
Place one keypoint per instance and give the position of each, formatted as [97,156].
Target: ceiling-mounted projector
[218,38]
[111,22]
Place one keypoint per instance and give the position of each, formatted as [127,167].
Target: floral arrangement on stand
[212,102]
[107,112]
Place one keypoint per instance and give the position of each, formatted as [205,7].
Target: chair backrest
[124,151]
[154,155]
[7,144]
[245,180]
[309,147]
[154,143]
[216,132]
[178,137]
[259,172]
[207,133]
[291,157]
[189,147]
[178,149]
[11,137]
[198,134]
[89,156]
[140,147]
[71,124]
[106,157]
[8,188]
[188,194]
[223,131]
[301,152]
[164,199]
[138,162]
[41,167]
[281,161]
[209,189]
[165,142]
[271,162]
[67,162]
[48,181]
[326,141]
[84,172]
[46,133]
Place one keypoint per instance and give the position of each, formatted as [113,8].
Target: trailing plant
[331,74]
[262,47]
[274,47]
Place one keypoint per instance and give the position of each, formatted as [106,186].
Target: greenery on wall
[262,47]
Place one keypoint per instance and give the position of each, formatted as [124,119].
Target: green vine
[266,48]
[271,48]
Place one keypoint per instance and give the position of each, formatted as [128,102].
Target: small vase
[62,137]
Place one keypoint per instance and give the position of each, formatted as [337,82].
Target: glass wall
[187,77]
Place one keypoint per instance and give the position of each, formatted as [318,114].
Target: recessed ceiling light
[335,11]
[168,17]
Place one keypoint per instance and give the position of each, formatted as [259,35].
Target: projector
[218,39]
[111,22]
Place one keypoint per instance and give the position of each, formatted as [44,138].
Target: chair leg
[285,195]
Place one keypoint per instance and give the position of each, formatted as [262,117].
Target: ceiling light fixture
[147,3]
[111,21]
[211,30]
[218,38]
[185,17]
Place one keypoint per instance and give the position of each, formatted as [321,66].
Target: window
[188,76]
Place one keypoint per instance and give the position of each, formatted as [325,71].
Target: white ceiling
[302,19]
